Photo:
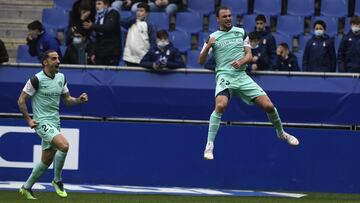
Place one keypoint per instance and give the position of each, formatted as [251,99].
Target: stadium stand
[334,8]
[23,55]
[301,8]
[192,59]
[290,25]
[248,22]
[55,18]
[64,4]
[189,22]
[203,7]
[160,20]
[181,40]
[239,7]
[280,38]
[266,7]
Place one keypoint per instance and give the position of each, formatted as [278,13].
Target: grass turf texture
[14,197]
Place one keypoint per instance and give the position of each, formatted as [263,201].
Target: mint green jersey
[46,93]
[229,46]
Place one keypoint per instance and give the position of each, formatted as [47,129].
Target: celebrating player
[45,89]
[232,51]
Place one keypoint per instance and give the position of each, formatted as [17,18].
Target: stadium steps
[14,17]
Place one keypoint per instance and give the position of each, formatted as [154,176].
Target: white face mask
[355,29]
[319,33]
[162,44]
[77,40]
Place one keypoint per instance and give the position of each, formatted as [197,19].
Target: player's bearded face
[53,62]
[225,19]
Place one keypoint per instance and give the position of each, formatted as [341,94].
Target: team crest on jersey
[237,34]
[60,84]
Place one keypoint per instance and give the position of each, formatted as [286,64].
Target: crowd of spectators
[95,36]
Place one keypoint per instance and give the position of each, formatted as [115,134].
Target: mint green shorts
[47,131]
[240,85]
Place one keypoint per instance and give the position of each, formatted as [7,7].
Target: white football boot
[293,141]
[208,153]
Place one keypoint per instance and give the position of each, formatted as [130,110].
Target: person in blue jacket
[319,54]
[266,38]
[349,49]
[285,60]
[163,55]
[40,41]
[260,60]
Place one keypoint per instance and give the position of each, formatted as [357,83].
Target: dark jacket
[43,43]
[171,54]
[108,38]
[289,64]
[72,52]
[263,62]
[349,53]
[319,54]
[269,42]
[4,57]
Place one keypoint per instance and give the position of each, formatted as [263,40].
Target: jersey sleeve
[65,89]
[205,44]
[29,88]
[246,41]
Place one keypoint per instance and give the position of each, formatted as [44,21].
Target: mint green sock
[59,164]
[214,124]
[36,173]
[276,121]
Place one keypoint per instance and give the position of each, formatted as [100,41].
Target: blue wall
[141,94]
[149,154]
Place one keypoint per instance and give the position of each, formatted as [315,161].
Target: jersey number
[45,128]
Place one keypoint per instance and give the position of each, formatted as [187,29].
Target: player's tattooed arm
[69,100]
[23,109]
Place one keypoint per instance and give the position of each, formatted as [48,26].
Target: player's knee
[220,107]
[269,107]
[64,147]
[48,160]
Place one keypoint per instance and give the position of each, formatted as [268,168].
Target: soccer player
[232,51]
[45,89]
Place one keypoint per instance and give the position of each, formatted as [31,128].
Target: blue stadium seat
[337,42]
[303,39]
[64,4]
[290,25]
[160,19]
[334,8]
[280,38]
[192,59]
[347,25]
[204,7]
[23,55]
[357,8]
[266,7]
[213,25]
[331,24]
[238,7]
[126,14]
[248,22]
[189,22]
[299,56]
[54,18]
[181,40]
[203,36]
[301,8]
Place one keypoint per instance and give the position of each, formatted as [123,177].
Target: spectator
[169,6]
[266,38]
[127,5]
[140,37]
[319,54]
[285,60]
[4,57]
[349,50]
[79,51]
[108,38]
[82,10]
[164,55]
[260,59]
[40,41]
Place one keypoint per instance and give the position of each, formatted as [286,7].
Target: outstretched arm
[23,109]
[70,101]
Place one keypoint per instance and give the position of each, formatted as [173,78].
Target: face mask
[355,29]
[77,40]
[100,11]
[162,44]
[318,32]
